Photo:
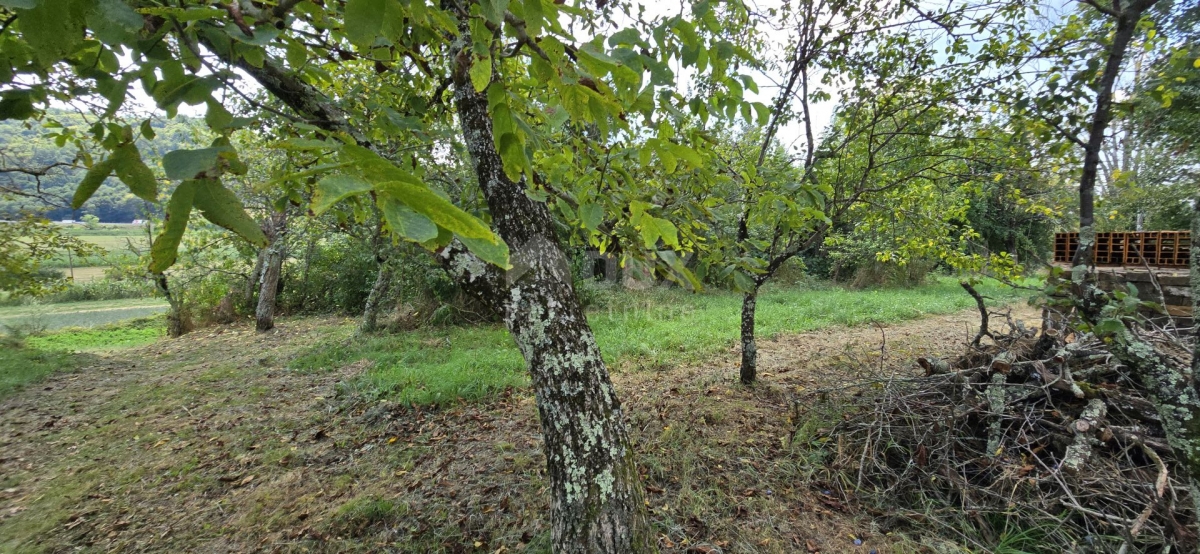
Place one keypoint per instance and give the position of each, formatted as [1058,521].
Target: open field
[212,443]
[115,239]
[79,314]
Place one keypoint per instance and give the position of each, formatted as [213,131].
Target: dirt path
[209,444]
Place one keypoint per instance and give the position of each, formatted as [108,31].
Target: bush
[334,276]
[875,273]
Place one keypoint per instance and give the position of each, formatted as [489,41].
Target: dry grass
[208,443]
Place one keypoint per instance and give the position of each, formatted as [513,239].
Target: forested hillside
[39,175]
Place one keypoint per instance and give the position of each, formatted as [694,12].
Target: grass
[635,331]
[29,359]
[138,332]
[79,314]
[20,365]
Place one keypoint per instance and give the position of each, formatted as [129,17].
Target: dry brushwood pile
[1038,442]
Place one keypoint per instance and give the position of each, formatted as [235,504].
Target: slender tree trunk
[253,283]
[1172,388]
[383,282]
[264,314]
[749,348]
[1126,22]
[175,307]
[596,498]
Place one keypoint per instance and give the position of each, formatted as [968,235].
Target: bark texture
[749,369]
[383,282]
[597,500]
[264,314]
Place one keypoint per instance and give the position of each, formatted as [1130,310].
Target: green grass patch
[664,327]
[637,330]
[22,365]
[137,332]
[426,366]
[26,359]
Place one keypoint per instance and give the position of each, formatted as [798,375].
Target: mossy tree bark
[749,369]
[383,282]
[264,314]
[597,500]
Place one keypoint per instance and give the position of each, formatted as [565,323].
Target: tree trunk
[253,283]
[175,307]
[308,254]
[1126,21]
[749,348]
[383,281]
[264,314]
[596,498]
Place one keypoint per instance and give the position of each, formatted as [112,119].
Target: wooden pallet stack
[1153,248]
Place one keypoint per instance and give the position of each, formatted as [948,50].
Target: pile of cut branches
[1037,442]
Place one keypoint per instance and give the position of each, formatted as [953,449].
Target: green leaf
[191,164]
[481,73]
[114,22]
[92,180]
[493,253]
[438,209]
[136,175]
[654,228]
[591,215]
[364,20]
[54,28]
[217,117]
[405,222]
[687,154]
[165,248]
[19,4]
[743,282]
[222,207]
[598,54]
[494,10]
[1110,326]
[147,130]
[334,189]
[16,106]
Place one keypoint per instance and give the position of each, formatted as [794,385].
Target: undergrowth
[636,330]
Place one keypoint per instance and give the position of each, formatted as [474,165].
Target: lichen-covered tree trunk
[749,370]
[383,282]
[264,314]
[596,497]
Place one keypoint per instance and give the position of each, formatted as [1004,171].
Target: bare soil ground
[210,444]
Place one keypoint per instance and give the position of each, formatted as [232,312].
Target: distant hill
[23,144]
